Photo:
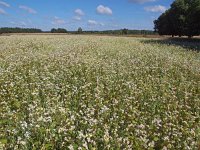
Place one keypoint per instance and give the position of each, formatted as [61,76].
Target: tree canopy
[19,30]
[181,19]
[80,30]
[59,30]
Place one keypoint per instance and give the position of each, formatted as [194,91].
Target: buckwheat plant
[82,92]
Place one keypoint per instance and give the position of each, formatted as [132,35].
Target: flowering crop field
[97,92]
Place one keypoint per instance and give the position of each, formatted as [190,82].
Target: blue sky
[88,14]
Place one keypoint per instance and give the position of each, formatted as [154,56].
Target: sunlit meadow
[97,92]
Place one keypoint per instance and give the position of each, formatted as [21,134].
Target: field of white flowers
[97,92]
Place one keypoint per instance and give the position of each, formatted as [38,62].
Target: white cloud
[28,9]
[19,23]
[58,21]
[101,24]
[79,12]
[4,4]
[12,22]
[2,12]
[95,23]
[157,8]
[22,23]
[77,18]
[92,22]
[104,10]
[141,1]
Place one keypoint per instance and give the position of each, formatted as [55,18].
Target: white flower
[71,147]
[23,142]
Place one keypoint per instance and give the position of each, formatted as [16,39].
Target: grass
[91,92]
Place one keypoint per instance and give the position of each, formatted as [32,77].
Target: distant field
[98,92]
[129,35]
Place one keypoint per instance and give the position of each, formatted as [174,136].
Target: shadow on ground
[190,44]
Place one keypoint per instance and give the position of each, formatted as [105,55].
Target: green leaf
[3,141]
[155,139]
[47,146]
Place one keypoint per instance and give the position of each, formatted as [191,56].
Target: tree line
[181,19]
[19,30]
[116,32]
[79,31]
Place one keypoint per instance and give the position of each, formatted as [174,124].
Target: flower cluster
[90,92]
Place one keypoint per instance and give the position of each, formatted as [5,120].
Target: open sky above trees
[88,14]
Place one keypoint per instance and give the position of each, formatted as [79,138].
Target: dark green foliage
[59,30]
[181,19]
[178,14]
[124,31]
[119,32]
[19,30]
[193,19]
[80,30]
[53,30]
[164,25]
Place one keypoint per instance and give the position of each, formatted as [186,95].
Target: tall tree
[178,11]
[53,30]
[124,31]
[193,18]
[80,30]
[164,24]
[181,19]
